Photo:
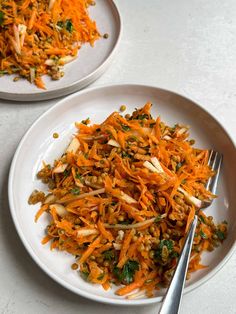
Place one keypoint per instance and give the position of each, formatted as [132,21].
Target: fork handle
[172,299]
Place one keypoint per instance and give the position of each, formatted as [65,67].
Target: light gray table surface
[188,46]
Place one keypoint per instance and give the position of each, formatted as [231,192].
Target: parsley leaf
[1,17]
[220,235]
[86,121]
[142,116]
[66,173]
[84,274]
[69,26]
[158,218]
[118,273]
[125,127]
[202,219]
[78,176]
[168,244]
[133,138]
[129,269]
[174,254]
[100,277]
[108,255]
[3,72]
[179,165]
[124,155]
[126,274]
[60,24]
[75,191]
[203,235]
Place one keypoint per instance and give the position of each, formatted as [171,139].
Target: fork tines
[214,162]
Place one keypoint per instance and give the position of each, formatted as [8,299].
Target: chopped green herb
[75,191]
[125,127]
[152,125]
[134,138]
[168,244]
[203,235]
[125,155]
[142,116]
[69,26]
[1,17]
[220,235]
[3,72]
[174,254]
[60,24]
[118,273]
[66,173]
[158,218]
[202,219]
[78,176]
[84,274]
[100,277]
[108,255]
[179,165]
[85,122]
[126,274]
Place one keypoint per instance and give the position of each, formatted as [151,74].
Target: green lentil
[122,108]
[55,135]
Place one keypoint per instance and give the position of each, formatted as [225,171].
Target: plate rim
[78,84]
[78,291]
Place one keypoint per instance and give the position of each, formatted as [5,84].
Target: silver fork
[214,162]
[172,299]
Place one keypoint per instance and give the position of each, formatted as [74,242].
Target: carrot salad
[121,199]
[38,37]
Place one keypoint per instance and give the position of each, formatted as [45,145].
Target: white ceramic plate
[38,144]
[91,63]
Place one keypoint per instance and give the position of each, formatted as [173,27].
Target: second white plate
[91,63]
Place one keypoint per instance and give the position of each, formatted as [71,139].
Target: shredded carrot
[46,239]
[107,234]
[90,250]
[106,285]
[124,249]
[134,285]
[41,211]
[122,197]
